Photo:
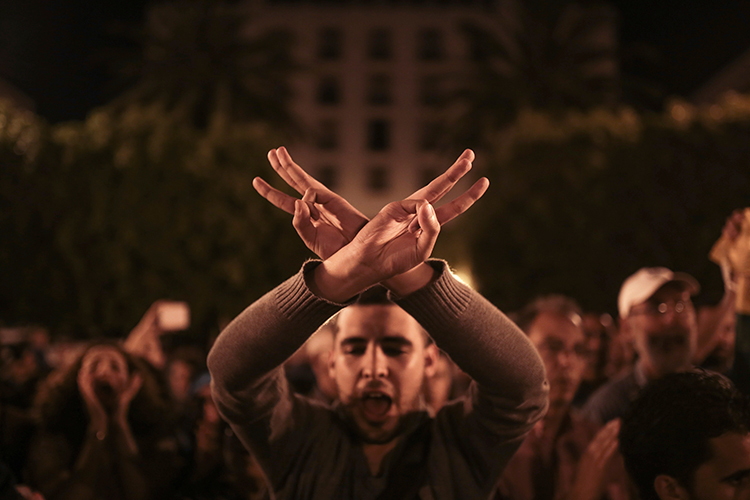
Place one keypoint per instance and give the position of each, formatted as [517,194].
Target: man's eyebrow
[397,340]
[353,340]
[735,476]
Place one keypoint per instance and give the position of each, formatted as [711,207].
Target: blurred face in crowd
[724,476]
[180,376]
[723,354]
[562,346]
[318,349]
[664,330]
[109,373]
[594,331]
[379,363]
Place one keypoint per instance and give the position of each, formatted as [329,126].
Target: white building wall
[405,160]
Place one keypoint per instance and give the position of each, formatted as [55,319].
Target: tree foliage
[104,216]
[200,60]
[554,56]
[580,202]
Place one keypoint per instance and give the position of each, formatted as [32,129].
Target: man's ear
[431,355]
[668,488]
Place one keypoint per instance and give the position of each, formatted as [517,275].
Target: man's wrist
[338,279]
[409,282]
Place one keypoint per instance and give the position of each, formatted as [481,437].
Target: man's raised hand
[389,245]
[326,222]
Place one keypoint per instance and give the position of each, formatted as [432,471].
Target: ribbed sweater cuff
[298,304]
[441,301]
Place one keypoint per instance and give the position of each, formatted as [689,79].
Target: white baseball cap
[640,286]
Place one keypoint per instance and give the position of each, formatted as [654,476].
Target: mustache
[376,385]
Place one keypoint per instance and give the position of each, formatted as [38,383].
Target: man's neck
[375,453]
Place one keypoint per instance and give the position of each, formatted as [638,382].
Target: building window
[328,134]
[329,90]
[378,178]
[329,176]
[430,45]
[329,44]
[429,135]
[431,90]
[379,90]
[379,44]
[478,51]
[378,135]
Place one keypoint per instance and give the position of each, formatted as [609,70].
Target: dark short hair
[374,296]
[668,428]
[551,304]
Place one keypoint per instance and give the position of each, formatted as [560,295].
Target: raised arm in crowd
[377,440]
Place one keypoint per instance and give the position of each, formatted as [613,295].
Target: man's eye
[739,480]
[393,351]
[354,350]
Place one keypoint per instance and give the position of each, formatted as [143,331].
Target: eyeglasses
[651,309]
[556,347]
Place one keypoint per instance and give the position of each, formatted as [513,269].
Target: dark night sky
[52,49]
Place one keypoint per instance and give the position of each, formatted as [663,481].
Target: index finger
[290,172]
[442,184]
[274,196]
[461,204]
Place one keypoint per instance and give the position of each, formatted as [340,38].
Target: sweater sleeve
[247,381]
[477,437]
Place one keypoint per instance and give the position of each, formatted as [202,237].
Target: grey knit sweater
[308,451]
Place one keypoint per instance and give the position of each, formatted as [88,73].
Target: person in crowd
[735,263]
[21,368]
[688,438]
[318,350]
[716,349]
[221,468]
[562,457]
[103,431]
[183,367]
[378,441]
[21,373]
[440,386]
[598,332]
[656,309]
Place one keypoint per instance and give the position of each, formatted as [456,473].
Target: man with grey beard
[656,309]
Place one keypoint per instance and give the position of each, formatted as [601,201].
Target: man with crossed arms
[377,441]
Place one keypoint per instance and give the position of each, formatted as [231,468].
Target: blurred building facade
[372,91]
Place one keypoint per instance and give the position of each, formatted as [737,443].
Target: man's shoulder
[611,399]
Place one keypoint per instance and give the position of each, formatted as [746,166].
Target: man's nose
[376,364]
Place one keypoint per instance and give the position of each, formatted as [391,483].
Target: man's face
[664,330]
[562,346]
[379,363]
[726,475]
[180,376]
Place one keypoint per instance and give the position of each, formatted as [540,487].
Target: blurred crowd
[134,418]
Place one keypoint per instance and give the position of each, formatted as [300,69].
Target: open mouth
[376,405]
[105,393]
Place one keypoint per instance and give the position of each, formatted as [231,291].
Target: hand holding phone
[173,316]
